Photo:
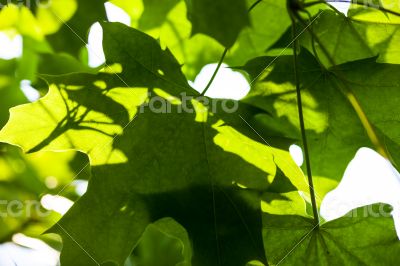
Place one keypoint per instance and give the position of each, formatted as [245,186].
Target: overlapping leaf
[194,52]
[333,125]
[206,170]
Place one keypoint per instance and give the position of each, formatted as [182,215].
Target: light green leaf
[154,14]
[380,29]
[52,15]
[376,11]
[21,20]
[353,38]
[265,29]
[36,19]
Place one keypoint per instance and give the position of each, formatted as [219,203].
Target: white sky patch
[95,46]
[368,179]
[27,251]
[30,93]
[297,154]
[56,203]
[117,14]
[10,47]
[95,39]
[227,84]
[30,242]
[80,186]
[342,7]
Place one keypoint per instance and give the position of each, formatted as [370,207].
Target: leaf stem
[254,5]
[302,126]
[215,72]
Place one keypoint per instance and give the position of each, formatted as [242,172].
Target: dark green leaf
[220,19]
[206,170]
[72,36]
[334,128]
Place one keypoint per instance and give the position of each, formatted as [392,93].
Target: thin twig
[215,72]
[302,126]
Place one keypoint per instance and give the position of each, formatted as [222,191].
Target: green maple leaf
[333,126]
[361,237]
[180,182]
[362,34]
[207,170]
